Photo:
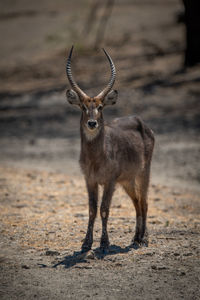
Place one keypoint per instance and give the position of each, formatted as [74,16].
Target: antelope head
[91,107]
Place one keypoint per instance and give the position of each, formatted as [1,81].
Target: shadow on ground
[81,257]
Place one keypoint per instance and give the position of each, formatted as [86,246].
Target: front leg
[93,199]
[105,206]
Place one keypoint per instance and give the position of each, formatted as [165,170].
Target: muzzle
[92,124]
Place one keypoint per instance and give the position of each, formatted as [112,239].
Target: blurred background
[155,47]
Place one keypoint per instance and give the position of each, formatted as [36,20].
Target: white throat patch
[90,134]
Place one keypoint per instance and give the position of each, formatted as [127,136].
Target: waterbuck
[119,152]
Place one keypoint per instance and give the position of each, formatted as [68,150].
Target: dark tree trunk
[192,22]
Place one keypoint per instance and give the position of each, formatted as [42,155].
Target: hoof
[135,245]
[138,243]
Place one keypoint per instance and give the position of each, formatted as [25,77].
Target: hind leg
[138,194]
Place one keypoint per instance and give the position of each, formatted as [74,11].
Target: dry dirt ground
[43,200]
[43,219]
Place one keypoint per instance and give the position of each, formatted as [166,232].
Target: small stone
[25,267]
[187,254]
[51,253]
[182,273]
[118,264]
[42,265]
[161,267]
[154,267]
[150,253]
[155,222]
[79,215]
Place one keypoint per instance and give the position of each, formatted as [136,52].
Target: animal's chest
[95,169]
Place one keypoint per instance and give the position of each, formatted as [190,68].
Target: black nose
[92,124]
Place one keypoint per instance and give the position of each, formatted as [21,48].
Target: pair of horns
[75,86]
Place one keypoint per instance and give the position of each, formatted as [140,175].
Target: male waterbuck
[119,152]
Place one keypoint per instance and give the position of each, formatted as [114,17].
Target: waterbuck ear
[72,97]
[111,98]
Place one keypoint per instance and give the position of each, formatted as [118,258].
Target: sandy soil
[43,200]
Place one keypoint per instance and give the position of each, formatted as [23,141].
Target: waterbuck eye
[100,107]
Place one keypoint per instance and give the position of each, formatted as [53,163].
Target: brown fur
[119,153]
[88,101]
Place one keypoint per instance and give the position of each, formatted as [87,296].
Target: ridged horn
[112,78]
[74,85]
